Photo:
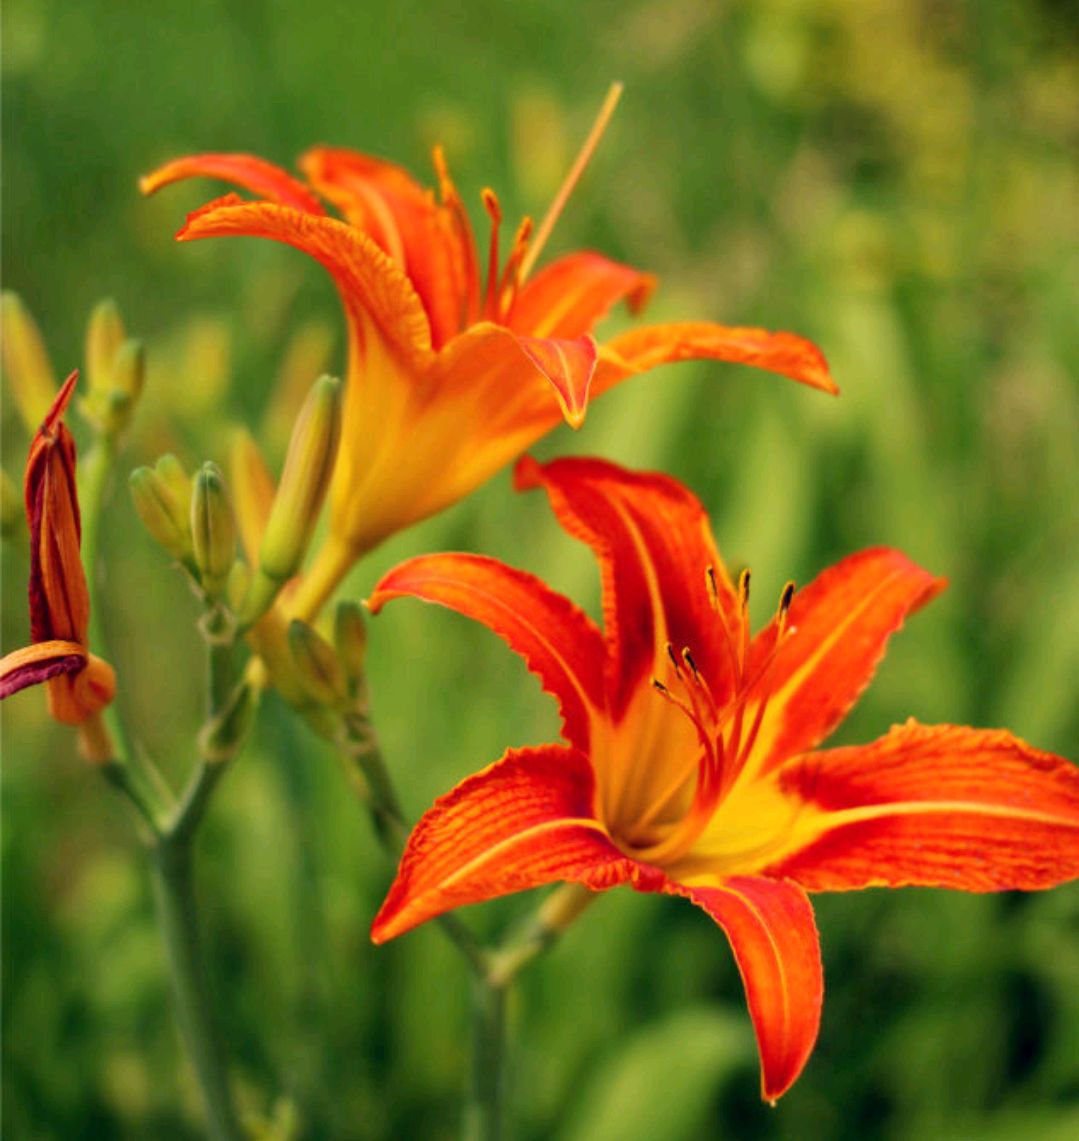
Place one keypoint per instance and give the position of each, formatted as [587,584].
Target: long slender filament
[584,156]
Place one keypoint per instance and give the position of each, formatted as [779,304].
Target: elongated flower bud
[296,506]
[104,336]
[213,528]
[129,370]
[308,465]
[253,490]
[169,468]
[110,408]
[163,513]
[26,362]
[317,665]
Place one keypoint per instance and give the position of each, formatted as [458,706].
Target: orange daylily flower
[79,685]
[692,765]
[452,372]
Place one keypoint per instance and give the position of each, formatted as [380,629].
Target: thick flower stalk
[455,366]
[79,685]
[691,765]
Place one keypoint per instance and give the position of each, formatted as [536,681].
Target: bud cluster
[199,519]
[116,370]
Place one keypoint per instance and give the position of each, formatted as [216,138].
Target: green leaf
[663,1080]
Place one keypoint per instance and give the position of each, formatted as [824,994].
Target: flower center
[725,732]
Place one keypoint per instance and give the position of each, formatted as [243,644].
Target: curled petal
[774,938]
[38,662]
[524,821]
[652,539]
[402,217]
[559,642]
[246,171]
[838,628]
[366,278]
[938,806]
[568,297]
[568,365]
[784,353]
[76,696]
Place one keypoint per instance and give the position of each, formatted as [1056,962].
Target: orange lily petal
[841,624]
[366,278]
[524,821]
[383,200]
[568,297]
[939,806]
[652,539]
[774,938]
[645,348]
[76,696]
[558,641]
[569,366]
[246,171]
[38,662]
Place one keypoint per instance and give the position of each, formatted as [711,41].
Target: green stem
[539,933]
[173,827]
[195,801]
[132,783]
[484,1111]
[95,483]
[175,899]
[172,857]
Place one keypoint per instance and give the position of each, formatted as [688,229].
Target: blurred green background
[897,181]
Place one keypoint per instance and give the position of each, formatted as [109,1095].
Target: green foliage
[895,180]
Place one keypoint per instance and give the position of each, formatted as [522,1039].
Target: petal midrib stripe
[528,834]
[834,818]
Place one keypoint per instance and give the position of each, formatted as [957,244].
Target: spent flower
[78,684]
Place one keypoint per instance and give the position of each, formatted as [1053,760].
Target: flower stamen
[510,281]
[726,744]
[783,632]
[451,200]
[494,212]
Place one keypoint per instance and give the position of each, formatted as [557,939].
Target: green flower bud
[169,468]
[317,664]
[300,494]
[129,370]
[237,586]
[26,362]
[116,367]
[213,529]
[162,513]
[104,336]
[306,476]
